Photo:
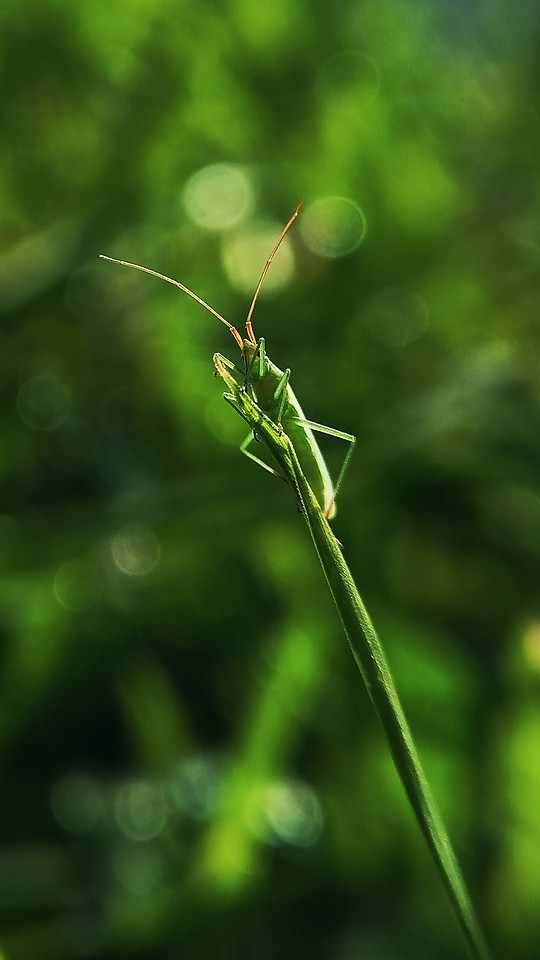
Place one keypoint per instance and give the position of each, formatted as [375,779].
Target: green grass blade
[370,659]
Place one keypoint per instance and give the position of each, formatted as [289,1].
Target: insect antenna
[249,328]
[176,283]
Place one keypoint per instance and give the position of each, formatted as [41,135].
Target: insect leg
[258,359]
[280,393]
[244,449]
[340,435]
[229,364]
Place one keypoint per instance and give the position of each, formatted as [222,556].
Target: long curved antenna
[249,328]
[190,293]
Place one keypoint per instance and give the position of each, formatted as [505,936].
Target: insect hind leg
[340,435]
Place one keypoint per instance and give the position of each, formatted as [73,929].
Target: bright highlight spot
[293,814]
[135,551]
[44,402]
[333,226]
[218,197]
[531,645]
[140,810]
[76,802]
[245,255]
[194,788]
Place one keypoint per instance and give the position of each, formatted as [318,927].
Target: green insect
[269,388]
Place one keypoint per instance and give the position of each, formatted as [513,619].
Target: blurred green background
[190,764]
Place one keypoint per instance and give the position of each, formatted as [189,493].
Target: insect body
[268,387]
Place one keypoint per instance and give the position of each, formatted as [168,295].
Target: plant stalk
[370,659]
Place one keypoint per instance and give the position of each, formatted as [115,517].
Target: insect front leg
[256,364]
[280,394]
[226,363]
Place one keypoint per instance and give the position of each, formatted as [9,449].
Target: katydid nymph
[269,389]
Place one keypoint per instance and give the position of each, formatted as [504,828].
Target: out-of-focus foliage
[190,765]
